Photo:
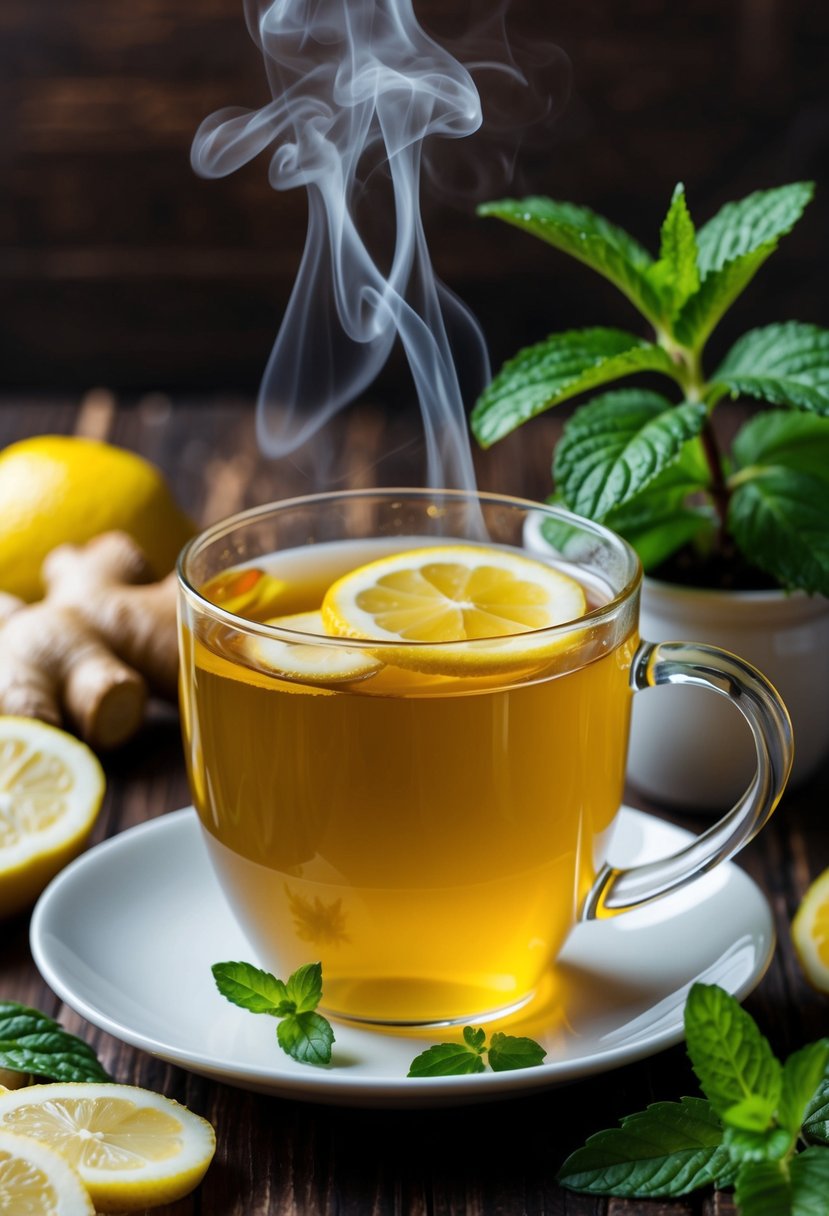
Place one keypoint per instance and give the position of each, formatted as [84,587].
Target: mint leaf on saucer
[508,1052]
[447,1060]
[669,1149]
[31,1042]
[304,1035]
[732,1059]
[304,987]
[251,988]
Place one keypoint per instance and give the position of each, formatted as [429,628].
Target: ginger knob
[91,648]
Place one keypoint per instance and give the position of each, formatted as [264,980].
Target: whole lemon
[58,488]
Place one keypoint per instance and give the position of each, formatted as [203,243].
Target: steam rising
[356,86]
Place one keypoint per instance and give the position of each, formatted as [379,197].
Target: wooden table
[292,1159]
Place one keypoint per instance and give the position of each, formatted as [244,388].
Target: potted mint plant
[734,540]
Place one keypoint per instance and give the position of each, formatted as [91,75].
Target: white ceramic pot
[691,749]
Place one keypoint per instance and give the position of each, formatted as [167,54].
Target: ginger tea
[428,836]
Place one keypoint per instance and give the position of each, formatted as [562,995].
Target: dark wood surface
[119,266]
[285,1158]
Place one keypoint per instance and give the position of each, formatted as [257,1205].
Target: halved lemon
[304,661]
[37,1181]
[475,594]
[810,933]
[51,787]
[131,1147]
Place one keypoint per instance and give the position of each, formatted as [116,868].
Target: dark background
[120,267]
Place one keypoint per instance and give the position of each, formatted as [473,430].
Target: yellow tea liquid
[428,838]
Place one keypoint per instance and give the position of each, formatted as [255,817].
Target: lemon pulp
[51,787]
[131,1147]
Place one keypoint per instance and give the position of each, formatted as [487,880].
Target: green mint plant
[648,465]
[31,1042]
[762,1127]
[505,1052]
[301,1032]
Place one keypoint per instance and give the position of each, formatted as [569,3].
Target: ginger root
[102,637]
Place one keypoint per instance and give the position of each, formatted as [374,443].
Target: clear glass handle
[618,890]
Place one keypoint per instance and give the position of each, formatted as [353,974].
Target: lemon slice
[131,1147]
[810,933]
[305,662]
[476,594]
[37,1181]
[51,786]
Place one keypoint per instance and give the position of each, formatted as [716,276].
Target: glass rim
[242,624]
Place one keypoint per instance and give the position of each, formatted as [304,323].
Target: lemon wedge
[810,933]
[475,594]
[305,662]
[37,1181]
[131,1147]
[51,787]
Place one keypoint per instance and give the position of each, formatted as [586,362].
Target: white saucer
[127,933]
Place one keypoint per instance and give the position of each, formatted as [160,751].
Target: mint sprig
[31,1042]
[616,447]
[302,1033]
[505,1052]
[745,1132]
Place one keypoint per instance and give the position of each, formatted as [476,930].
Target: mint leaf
[785,364]
[815,1127]
[591,239]
[809,1172]
[657,525]
[474,1037]
[752,1114]
[730,1056]
[559,368]
[669,1149]
[701,311]
[306,1037]
[303,1034]
[775,438]
[675,275]
[778,519]
[304,987]
[659,520]
[616,445]
[31,1042]
[447,1060]
[773,1144]
[803,1073]
[742,227]
[763,1189]
[508,1052]
[251,988]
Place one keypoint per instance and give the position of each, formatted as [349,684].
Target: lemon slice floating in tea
[131,1147]
[455,593]
[37,1181]
[303,660]
[51,786]
[810,933]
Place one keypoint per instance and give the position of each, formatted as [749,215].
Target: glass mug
[429,820]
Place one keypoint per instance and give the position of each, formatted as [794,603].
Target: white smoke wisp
[356,84]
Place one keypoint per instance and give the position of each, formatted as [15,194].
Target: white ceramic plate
[127,933]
